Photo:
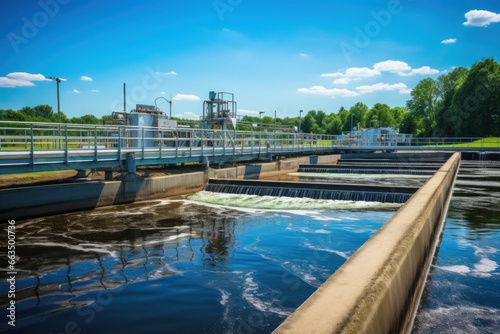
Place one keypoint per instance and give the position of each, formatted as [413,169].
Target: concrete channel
[377,290]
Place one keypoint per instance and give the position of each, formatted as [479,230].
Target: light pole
[260,114]
[275,120]
[58,80]
[169,102]
[300,118]
[351,123]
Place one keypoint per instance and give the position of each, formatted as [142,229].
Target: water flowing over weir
[330,191]
[370,169]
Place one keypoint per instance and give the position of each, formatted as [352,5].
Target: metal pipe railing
[103,142]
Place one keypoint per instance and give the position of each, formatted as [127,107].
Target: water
[322,194]
[377,179]
[182,266]
[365,171]
[462,294]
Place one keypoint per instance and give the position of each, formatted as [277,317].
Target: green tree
[44,111]
[345,119]
[359,110]
[309,123]
[398,114]
[476,101]
[12,115]
[409,124]
[333,124]
[379,116]
[28,112]
[423,106]
[447,86]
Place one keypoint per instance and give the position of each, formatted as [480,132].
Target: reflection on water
[462,294]
[178,266]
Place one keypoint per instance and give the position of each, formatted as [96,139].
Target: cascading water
[312,190]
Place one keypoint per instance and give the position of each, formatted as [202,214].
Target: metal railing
[90,146]
[39,145]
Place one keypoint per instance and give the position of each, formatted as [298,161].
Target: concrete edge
[377,288]
[38,201]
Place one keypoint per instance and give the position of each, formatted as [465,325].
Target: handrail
[65,145]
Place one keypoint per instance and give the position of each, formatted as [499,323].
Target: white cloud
[365,89]
[424,70]
[480,18]
[76,91]
[188,115]
[186,97]
[21,79]
[332,75]
[11,83]
[341,81]
[449,41]
[95,91]
[403,69]
[393,66]
[361,72]
[333,92]
[166,74]
[303,55]
[85,78]
[248,112]
[352,73]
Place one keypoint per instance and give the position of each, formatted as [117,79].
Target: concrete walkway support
[378,289]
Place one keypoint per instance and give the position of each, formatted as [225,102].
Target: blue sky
[273,55]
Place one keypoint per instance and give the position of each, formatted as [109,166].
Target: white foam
[322,231]
[253,203]
[345,255]
[459,269]
[466,319]
[224,297]
[484,267]
[252,296]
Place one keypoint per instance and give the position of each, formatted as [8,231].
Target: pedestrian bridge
[34,147]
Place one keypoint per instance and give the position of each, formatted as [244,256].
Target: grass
[20,179]
[484,142]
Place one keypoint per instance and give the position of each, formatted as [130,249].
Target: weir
[330,191]
[370,169]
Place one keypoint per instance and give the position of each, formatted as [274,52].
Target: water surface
[183,266]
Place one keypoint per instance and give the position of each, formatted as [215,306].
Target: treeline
[44,113]
[462,103]
[359,115]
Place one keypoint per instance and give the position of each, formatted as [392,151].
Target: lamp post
[275,120]
[169,102]
[260,114]
[300,118]
[58,80]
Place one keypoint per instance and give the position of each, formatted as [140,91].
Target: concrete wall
[31,202]
[378,288]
